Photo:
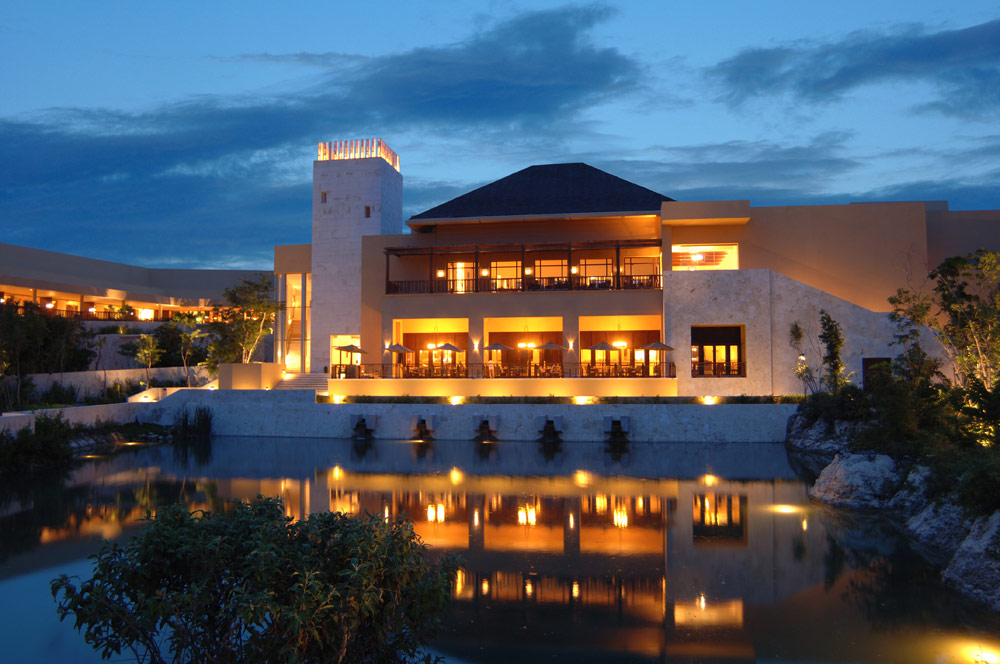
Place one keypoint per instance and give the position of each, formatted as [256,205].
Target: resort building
[90,289]
[566,280]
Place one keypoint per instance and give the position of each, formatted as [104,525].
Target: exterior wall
[253,376]
[92,382]
[505,387]
[767,304]
[860,252]
[86,416]
[295,414]
[960,233]
[292,258]
[338,226]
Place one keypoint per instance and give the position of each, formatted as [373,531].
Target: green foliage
[247,318]
[804,372]
[832,337]
[145,351]
[33,342]
[59,394]
[252,586]
[117,392]
[196,427]
[47,445]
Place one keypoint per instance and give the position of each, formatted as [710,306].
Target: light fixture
[620,344]
[485,272]
[573,270]
[92,310]
[527,270]
[697,257]
[456,400]
[440,274]
[49,305]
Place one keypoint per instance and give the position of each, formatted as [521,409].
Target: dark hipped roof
[550,189]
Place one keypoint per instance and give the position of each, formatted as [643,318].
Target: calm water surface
[651,552]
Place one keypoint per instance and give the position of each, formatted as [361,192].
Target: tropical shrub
[253,586]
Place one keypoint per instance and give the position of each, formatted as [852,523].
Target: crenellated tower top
[363,148]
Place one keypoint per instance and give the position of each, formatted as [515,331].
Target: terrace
[612,265]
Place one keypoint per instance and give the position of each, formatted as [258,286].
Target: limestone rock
[820,437]
[940,526]
[912,495]
[975,567]
[860,481]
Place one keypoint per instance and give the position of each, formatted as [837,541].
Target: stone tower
[357,190]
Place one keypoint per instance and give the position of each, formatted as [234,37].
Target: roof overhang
[563,216]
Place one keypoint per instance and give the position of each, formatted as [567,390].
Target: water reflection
[680,553]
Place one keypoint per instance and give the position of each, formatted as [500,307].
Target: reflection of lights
[600,503]
[440,513]
[620,517]
[522,516]
[805,525]
[456,400]
[338,398]
[459,581]
[709,401]
[583,401]
[338,473]
[430,513]
[701,601]
[576,590]
[638,504]
[475,518]
[709,480]
[456,476]
[572,522]
[485,588]
[385,513]
[786,509]
[581,478]
[529,588]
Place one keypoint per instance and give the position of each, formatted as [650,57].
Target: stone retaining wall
[294,413]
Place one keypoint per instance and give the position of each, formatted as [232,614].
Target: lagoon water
[572,552]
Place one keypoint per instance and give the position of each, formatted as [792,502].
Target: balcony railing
[527,283]
[717,369]
[118,316]
[538,370]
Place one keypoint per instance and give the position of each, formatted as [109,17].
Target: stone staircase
[305,381]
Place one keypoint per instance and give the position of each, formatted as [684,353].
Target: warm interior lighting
[456,476]
[620,344]
[431,346]
[456,400]
[697,257]
[705,257]
[144,314]
[522,345]
[708,401]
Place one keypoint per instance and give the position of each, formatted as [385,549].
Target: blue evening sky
[182,134]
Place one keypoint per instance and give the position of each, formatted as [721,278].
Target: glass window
[506,275]
[705,257]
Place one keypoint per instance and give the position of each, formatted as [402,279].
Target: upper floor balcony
[614,265]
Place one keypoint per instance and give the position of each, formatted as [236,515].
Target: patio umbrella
[497,346]
[548,345]
[452,347]
[657,345]
[604,345]
[350,349]
[398,348]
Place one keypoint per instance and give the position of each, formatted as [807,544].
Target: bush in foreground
[252,586]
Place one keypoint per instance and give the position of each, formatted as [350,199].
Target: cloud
[213,175]
[962,65]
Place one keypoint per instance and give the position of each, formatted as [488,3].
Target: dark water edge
[677,553]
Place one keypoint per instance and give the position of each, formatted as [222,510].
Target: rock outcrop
[857,481]
[975,567]
[819,436]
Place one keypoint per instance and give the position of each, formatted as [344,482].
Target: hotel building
[566,280]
